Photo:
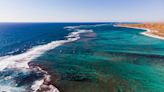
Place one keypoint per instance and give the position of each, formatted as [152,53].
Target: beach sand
[155,30]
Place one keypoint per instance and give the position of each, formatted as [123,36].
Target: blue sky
[81,10]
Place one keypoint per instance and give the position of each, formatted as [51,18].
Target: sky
[81,10]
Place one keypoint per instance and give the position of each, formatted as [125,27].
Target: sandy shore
[155,30]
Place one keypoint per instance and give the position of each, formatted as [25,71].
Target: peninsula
[155,30]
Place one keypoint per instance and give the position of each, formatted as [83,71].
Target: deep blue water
[16,38]
[109,59]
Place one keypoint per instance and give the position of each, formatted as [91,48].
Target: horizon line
[71,22]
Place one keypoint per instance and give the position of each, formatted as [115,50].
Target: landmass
[155,30]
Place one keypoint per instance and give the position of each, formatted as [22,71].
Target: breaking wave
[15,71]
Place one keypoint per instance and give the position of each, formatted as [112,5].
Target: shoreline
[146,33]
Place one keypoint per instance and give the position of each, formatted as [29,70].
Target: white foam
[7,88]
[36,85]
[94,25]
[73,27]
[42,83]
[22,60]
[76,34]
[148,33]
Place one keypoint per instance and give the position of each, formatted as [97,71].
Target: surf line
[146,33]
[21,61]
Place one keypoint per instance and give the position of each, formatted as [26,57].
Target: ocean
[79,57]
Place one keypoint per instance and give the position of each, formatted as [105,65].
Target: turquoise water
[112,59]
[108,59]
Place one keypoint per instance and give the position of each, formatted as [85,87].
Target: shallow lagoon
[112,59]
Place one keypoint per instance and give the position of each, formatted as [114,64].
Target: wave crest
[21,63]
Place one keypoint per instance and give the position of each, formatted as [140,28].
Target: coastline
[148,32]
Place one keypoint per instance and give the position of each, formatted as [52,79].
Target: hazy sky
[81,10]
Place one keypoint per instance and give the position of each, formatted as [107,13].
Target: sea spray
[20,62]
